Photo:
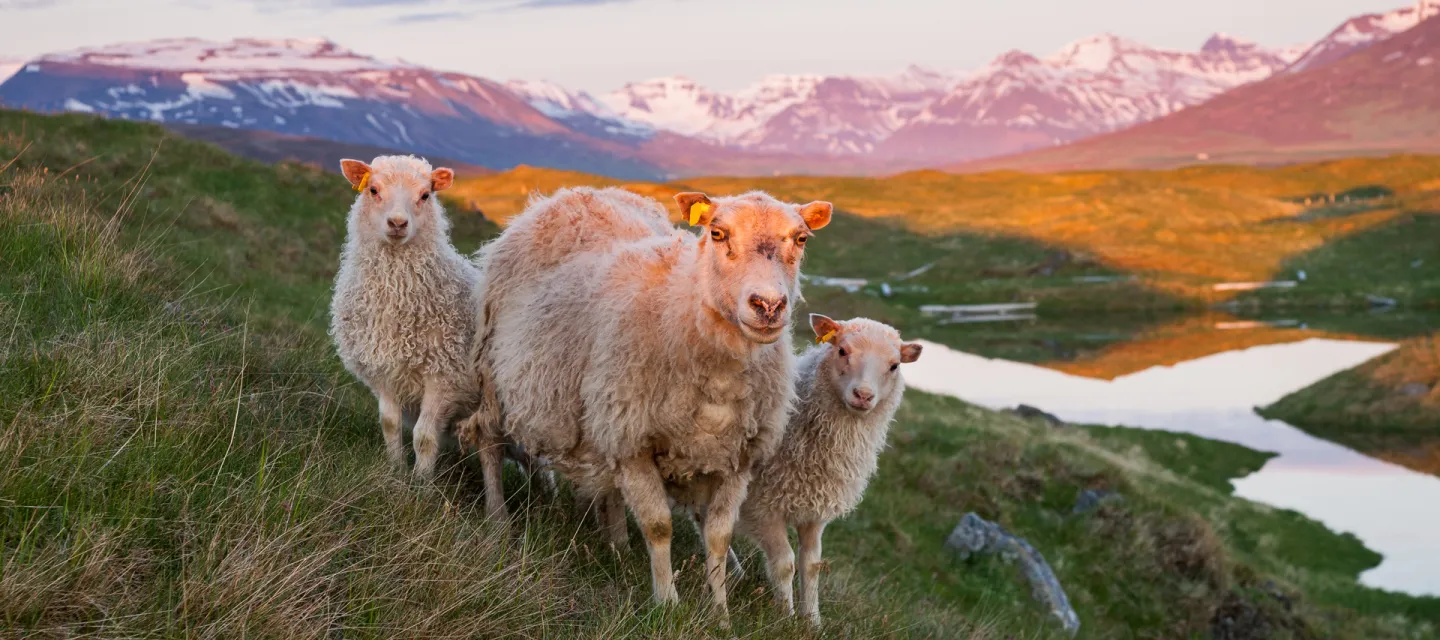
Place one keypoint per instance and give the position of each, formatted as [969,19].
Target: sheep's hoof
[667,597]
[496,510]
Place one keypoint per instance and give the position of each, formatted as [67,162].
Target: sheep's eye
[374,191]
[843,352]
[894,366]
[425,196]
[717,235]
[800,239]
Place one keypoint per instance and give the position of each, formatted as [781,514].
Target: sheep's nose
[768,307]
[397,223]
[863,397]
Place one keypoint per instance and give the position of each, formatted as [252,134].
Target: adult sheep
[642,358]
[401,313]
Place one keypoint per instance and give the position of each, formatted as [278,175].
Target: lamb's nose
[863,395]
[397,223]
[768,308]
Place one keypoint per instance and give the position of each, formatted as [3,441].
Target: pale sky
[598,45]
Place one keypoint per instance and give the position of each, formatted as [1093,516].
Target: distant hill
[270,147]
[315,88]
[1380,100]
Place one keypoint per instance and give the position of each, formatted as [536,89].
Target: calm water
[1393,510]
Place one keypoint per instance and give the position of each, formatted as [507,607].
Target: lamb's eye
[894,366]
[717,235]
[374,191]
[425,196]
[843,352]
[800,240]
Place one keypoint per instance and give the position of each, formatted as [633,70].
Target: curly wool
[593,334]
[829,452]
[401,314]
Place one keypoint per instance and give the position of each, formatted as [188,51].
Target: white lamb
[848,388]
[646,359]
[401,314]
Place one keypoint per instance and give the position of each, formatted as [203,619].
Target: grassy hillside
[1177,231]
[1388,408]
[181,454]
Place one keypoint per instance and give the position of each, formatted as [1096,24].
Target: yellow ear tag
[696,210]
[826,338]
[364,180]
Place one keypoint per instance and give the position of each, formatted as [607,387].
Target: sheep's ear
[355,171]
[816,214]
[824,328]
[909,352]
[441,179]
[696,207]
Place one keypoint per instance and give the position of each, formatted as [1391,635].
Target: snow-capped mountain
[314,87]
[1091,86]
[578,110]
[1019,101]
[1363,31]
[806,114]
[1381,99]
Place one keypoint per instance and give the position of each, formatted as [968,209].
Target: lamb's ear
[824,328]
[355,171]
[816,214]
[696,207]
[909,352]
[441,179]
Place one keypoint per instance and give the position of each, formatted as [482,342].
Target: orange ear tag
[826,338]
[364,180]
[696,211]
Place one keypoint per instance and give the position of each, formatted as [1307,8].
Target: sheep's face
[750,256]
[863,364]
[397,199]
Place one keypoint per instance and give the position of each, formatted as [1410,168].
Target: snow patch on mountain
[1363,31]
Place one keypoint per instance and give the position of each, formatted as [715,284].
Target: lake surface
[1393,510]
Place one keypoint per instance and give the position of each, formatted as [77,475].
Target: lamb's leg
[810,567]
[720,517]
[779,560]
[612,511]
[644,492]
[435,411]
[391,417]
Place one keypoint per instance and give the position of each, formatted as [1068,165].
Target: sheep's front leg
[644,492]
[720,517]
[779,560]
[810,567]
[435,411]
[392,417]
